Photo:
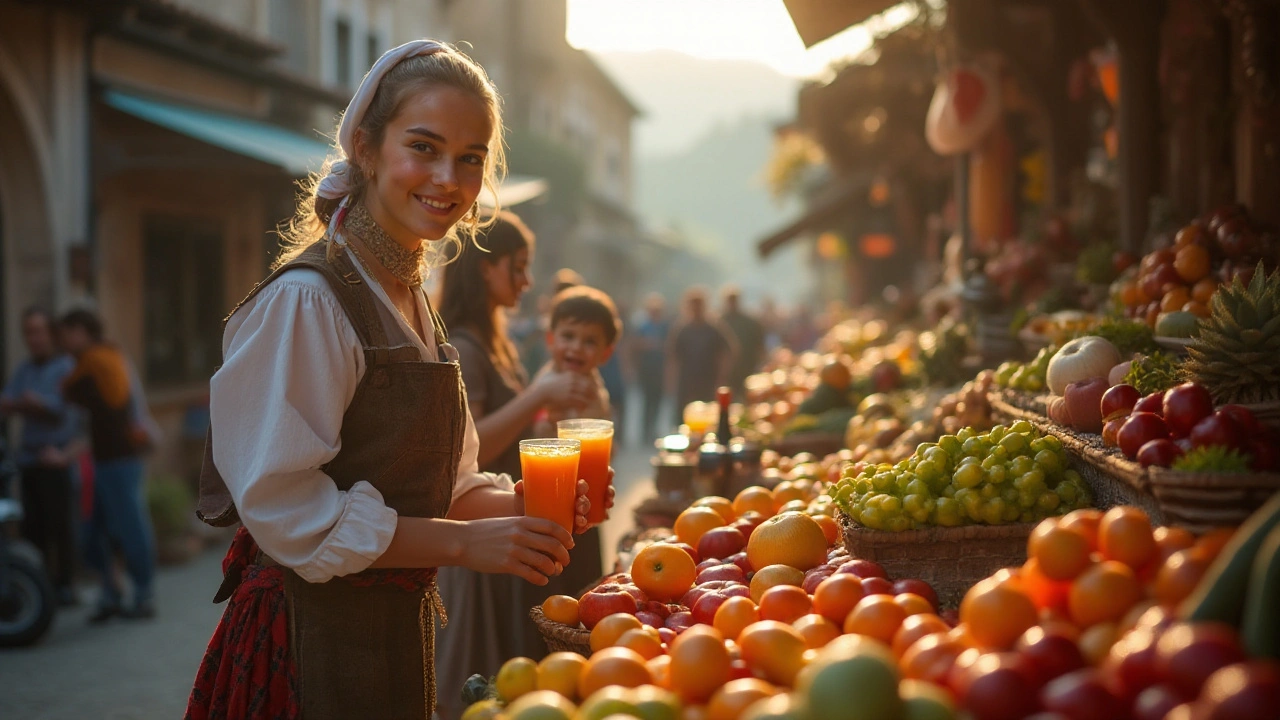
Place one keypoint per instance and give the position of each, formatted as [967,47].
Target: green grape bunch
[1029,377]
[1006,475]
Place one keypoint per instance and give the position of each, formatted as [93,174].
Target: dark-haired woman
[490,618]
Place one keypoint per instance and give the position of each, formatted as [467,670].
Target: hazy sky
[720,29]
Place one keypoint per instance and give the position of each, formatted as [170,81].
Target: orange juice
[596,437]
[550,470]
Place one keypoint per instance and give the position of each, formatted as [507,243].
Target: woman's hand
[564,390]
[531,548]
[583,506]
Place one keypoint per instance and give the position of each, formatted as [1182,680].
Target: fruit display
[1059,327]
[942,353]
[1081,359]
[1163,427]
[1206,254]
[1028,377]
[1151,373]
[1008,474]
[1237,353]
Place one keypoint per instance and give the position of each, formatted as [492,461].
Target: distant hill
[683,97]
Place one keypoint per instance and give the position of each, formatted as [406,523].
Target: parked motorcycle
[27,598]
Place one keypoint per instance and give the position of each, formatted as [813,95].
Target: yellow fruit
[483,710]
[559,672]
[773,575]
[541,705]
[790,539]
[516,677]
[655,703]
[612,700]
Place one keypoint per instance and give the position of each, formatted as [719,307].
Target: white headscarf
[337,184]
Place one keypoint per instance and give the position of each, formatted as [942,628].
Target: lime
[830,684]
[611,700]
[925,701]
[655,703]
[541,705]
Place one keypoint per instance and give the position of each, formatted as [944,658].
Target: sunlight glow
[757,30]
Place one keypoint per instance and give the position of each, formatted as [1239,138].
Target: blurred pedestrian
[648,350]
[749,334]
[46,452]
[101,383]
[700,353]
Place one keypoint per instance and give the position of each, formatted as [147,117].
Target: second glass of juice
[550,470]
[596,437]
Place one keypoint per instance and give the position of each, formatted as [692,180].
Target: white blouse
[292,361]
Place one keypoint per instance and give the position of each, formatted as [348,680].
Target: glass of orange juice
[550,470]
[596,437]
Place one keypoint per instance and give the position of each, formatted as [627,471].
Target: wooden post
[1134,25]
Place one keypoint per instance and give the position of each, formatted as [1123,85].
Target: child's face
[578,346]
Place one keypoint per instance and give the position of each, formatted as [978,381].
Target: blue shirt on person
[44,379]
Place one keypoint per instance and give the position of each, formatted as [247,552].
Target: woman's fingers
[548,538]
[538,561]
[582,488]
[519,487]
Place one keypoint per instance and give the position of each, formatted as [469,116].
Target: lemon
[611,700]
[517,677]
[483,710]
[541,705]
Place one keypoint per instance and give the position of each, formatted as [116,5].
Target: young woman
[490,621]
[340,435]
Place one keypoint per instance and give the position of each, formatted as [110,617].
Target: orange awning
[817,20]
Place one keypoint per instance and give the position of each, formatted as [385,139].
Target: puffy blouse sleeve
[292,362]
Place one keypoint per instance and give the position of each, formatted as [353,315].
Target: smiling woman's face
[427,172]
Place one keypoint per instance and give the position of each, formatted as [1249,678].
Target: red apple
[814,577]
[660,609]
[1153,403]
[747,522]
[1160,452]
[1084,404]
[1243,416]
[1155,702]
[679,622]
[1187,654]
[1131,663]
[1184,406]
[651,619]
[1219,429]
[666,634]
[1049,654]
[1118,401]
[1244,690]
[876,586]
[1265,455]
[705,610]
[708,564]
[1000,688]
[697,591]
[721,542]
[740,559]
[863,569]
[919,587]
[727,572]
[1139,429]
[689,549]
[1111,431]
[1059,412]
[1081,695]
[603,601]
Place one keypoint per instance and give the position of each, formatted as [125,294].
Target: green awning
[292,152]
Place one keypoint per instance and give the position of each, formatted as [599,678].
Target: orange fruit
[915,627]
[735,614]
[754,498]
[1204,289]
[607,631]
[773,648]
[660,669]
[1179,576]
[1212,542]
[1103,593]
[1061,553]
[736,696]
[1125,535]
[931,658]
[613,666]
[1085,522]
[1175,298]
[1197,308]
[1045,592]
[1134,616]
[1171,539]
[1095,643]
[830,528]
[699,664]
[693,522]
[560,671]
[1130,294]
[794,506]
[835,597]
[913,604]
[647,645]
[562,609]
[1192,263]
[997,613]
[785,603]
[792,539]
[721,505]
[816,630]
[774,576]
[663,571]
[876,616]
[786,492]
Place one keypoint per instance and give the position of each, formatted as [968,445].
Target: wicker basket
[951,559]
[818,443]
[1268,413]
[559,637]
[1202,501]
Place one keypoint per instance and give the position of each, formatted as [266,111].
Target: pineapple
[1237,355]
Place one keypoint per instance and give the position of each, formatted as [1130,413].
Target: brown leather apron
[363,649]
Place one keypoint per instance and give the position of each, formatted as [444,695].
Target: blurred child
[582,335]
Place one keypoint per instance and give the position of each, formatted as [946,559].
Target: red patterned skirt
[247,673]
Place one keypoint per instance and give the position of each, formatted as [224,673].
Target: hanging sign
[965,106]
